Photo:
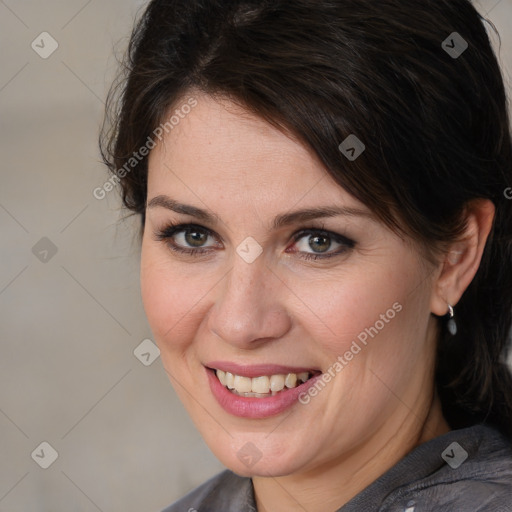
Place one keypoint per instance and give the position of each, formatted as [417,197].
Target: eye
[188,238]
[318,243]
[196,240]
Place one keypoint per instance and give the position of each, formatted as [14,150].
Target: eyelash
[167,233]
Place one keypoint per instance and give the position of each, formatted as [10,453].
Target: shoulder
[226,491]
[474,474]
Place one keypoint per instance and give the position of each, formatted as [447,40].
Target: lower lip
[256,408]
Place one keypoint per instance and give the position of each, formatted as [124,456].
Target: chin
[251,457]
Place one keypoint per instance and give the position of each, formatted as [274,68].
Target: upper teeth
[260,385]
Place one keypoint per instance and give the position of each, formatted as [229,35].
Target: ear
[462,260]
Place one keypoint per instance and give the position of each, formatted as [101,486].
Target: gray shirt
[466,470]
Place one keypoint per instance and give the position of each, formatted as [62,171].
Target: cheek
[354,306]
[172,301]
[380,323]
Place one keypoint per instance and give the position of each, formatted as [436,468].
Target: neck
[330,486]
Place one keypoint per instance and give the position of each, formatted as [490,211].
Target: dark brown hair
[434,123]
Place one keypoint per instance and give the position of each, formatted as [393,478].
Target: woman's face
[275,270]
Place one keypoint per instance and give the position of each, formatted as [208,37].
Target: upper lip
[258,370]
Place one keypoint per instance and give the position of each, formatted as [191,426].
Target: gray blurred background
[73,372]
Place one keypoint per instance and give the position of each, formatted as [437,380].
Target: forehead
[220,152]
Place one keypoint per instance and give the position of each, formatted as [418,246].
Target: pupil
[320,243]
[195,238]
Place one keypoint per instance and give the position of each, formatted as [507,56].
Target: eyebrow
[279,221]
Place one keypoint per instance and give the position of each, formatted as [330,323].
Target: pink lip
[257,370]
[257,408]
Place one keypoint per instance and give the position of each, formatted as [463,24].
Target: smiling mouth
[263,386]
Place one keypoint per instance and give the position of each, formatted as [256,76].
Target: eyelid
[338,237]
[171,229]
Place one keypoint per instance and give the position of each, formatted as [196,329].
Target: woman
[326,249]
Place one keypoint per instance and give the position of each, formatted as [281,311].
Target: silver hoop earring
[451,325]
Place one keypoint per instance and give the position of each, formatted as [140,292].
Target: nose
[248,311]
